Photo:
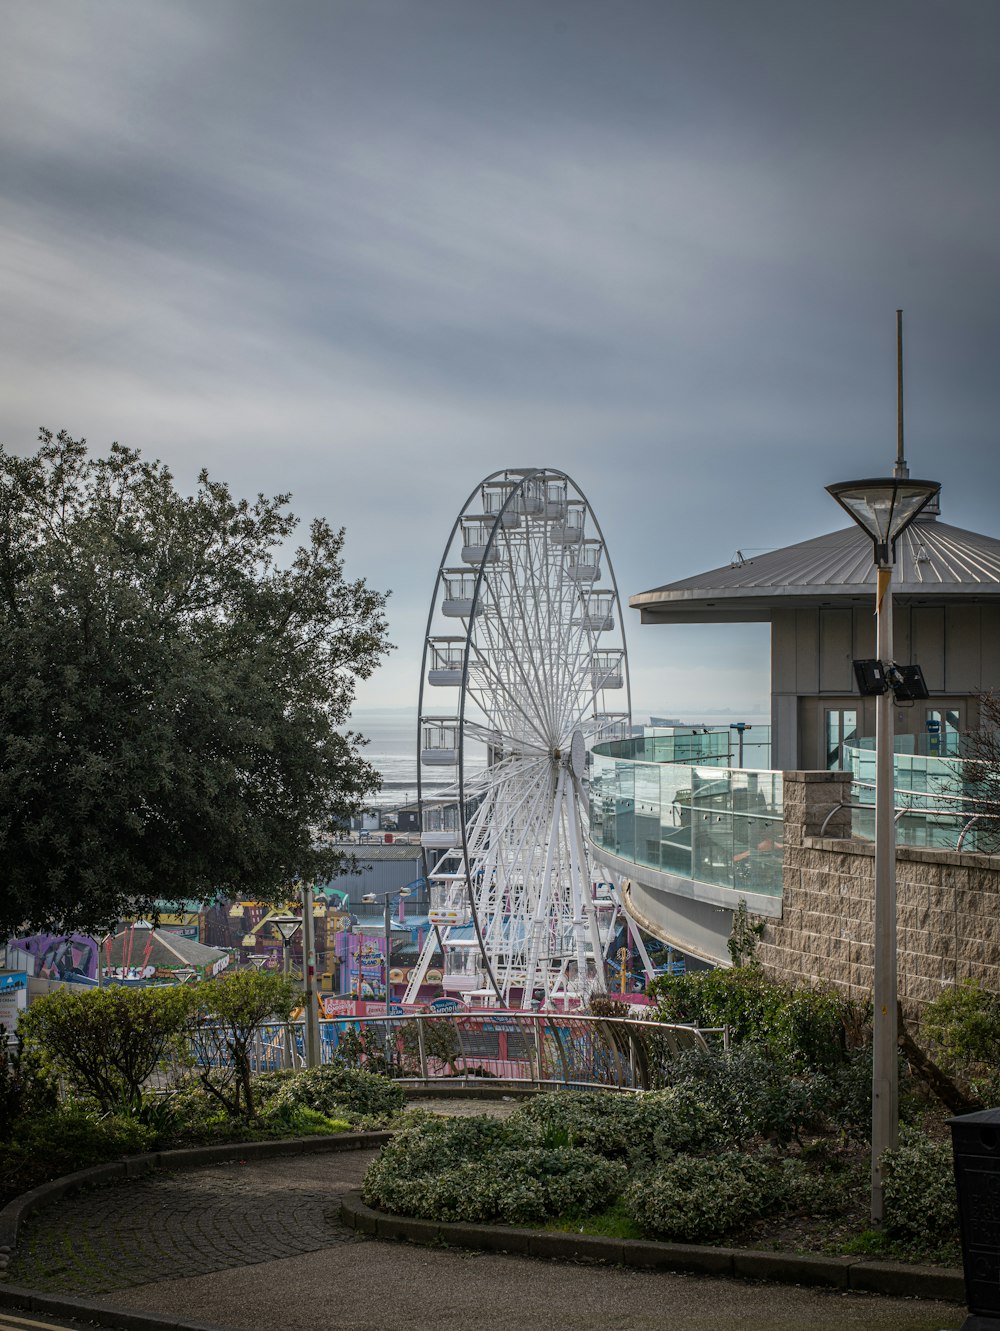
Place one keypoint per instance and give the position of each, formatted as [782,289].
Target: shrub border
[845,1273]
[16,1212]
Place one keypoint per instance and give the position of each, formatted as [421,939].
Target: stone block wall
[947,905]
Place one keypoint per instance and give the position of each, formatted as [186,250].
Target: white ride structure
[525,642]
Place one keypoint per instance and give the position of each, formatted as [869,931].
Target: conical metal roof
[934,562]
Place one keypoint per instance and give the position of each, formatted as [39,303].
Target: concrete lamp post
[387,899]
[883,508]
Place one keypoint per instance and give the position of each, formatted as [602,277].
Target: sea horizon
[391,748]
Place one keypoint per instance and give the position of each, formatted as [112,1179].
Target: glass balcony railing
[936,803]
[716,825]
[705,746]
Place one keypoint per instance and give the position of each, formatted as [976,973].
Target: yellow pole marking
[11,1322]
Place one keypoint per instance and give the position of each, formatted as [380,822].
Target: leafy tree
[229,1015]
[169,693]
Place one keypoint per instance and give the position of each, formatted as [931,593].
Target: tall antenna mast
[901,471]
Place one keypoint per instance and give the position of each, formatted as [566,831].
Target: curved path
[258,1246]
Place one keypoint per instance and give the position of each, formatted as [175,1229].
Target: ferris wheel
[525,648]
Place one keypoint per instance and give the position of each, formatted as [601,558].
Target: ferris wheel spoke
[500,705]
[501,649]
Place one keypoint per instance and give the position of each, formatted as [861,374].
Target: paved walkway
[191,1223]
[258,1247]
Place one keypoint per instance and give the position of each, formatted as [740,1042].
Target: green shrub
[681,1118]
[690,1198]
[818,1183]
[299,1120]
[963,1027]
[362,1048]
[67,1139]
[106,1042]
[482,1169]
[24,1088]
[338,1091]
[809,1028]
[603,1124]
[754,1094]
[440,1038]
[631,1128]
[921,1203]
[195,1115]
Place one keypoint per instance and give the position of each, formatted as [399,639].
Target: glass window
[841,729]
[943,729]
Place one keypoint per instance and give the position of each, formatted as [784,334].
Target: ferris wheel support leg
[640,946]
[577,864]
[541,912]
[641,949]
[421,968]
[600,974]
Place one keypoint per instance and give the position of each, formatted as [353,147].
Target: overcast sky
[371,251]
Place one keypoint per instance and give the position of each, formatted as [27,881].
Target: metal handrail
[603,1053]
[900,810]
[925,794]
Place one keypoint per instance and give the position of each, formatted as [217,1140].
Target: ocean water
[391,733]
[392,749]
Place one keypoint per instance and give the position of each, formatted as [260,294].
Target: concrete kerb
[491,1090]
[846,1273]
[97,1314]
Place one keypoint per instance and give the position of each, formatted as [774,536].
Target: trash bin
[975,1139]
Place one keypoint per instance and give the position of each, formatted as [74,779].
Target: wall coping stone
[965,859]
[847,1273]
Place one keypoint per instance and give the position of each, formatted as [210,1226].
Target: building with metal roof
[818,597]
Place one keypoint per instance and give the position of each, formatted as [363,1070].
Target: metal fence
[509,1048]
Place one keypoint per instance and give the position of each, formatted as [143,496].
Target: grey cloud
[372,252]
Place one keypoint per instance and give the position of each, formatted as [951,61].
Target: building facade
[818,597]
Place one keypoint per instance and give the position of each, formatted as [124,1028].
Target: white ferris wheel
[526,650]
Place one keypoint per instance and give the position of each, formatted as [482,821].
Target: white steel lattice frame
[520,871]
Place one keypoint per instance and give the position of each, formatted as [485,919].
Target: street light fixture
[287,926]
[883,508]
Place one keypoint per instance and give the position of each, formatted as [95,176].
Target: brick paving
[188,1224]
